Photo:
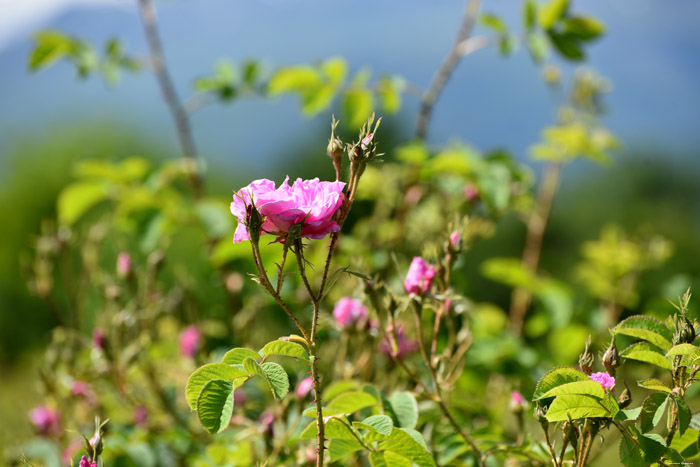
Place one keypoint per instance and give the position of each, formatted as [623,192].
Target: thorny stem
[147,12]
[445,70]
[536,226]
[549,445]
[280,271]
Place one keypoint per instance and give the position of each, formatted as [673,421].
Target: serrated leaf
[77,198]
[628,414]
[648,353]
[646,328]
[630,456]
[652,410]
[689,351]
[405,409]
[655,385]
[557,377]
[380,423]
[576,406]
[215,405]
[277,378]
[589,388]
[207,373]
[550,12]
[357,106]
[403,444]
[333,429]
[339,449]
[338,387]
[236,355]
[653,447]
[351,402]
[388,459]
[683,414]
[285,348]
[252,367]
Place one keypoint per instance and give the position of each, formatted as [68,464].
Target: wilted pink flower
[86,463]
[123,264]
[98,338]
[304,387]
[517,401]
[140,415]
[470,192]
[189,341]
[347,311]
[46,420]
[607,381]
[405,344]
[309,202]
[455,237]
[420,275]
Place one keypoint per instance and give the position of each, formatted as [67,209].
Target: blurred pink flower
[140,415]
[98,338]
[267,420]
[123,264]
[310,202]
[304,387]
[405,344]
[86,463]
[347,311]
[470,192]
[83,390]
[517,401]
[420,275]
[455,237]
[239,396]
[607,381]
[46,420]
[189,341]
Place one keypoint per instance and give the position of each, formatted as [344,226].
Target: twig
[147,12]
[448,65]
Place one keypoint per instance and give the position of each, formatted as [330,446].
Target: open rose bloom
[607,381]
[311,203]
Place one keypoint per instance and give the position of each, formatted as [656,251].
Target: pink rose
[347,311]
[304,387]
[405,344]
[517,401]
[311,203]
[607,381]
[420,275]
[455,238]
[46,420]
[123,264]
[86,463]
[189,341]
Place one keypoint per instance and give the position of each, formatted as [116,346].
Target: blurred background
[50,119]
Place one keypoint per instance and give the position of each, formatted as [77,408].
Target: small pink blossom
[348,311]
[517,401]
[310,202]
[140,415]
[123,264]
[98,338]
[406,345]
[455,237]
[86,463]
[190,339]
[46,420]
[420,275]
[304,387]
[607,381]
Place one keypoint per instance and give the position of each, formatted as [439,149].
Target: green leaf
[380,423]
[206,373]
[557,377]
[252,367]
[388,459]
[215,217]
[628,414]
[584,27]
[286,348]
[350,402]
[389,92]
[77,198]
[403,444]
[529,14]
[653,447]
[655,385]
[277,379]
[688,351]
[588,388]
[578,406]
[335,69]
[551,12]
[652,410]
[646,328]
[333,429]
[648,353]
[567,45]
[629,453]
[683,414]
[299,79]
[405,409]
[50,46]
[236,355]
[357,106]
[338,387]
[325,411]
[339,449]
[215,405]
[494,22]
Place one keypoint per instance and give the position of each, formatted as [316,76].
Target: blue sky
[651,54]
